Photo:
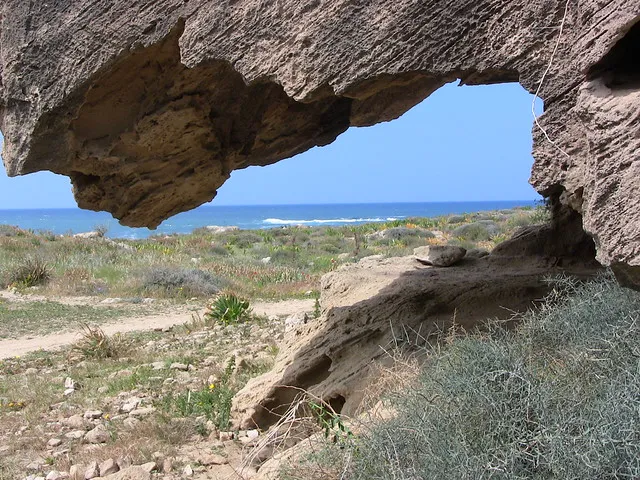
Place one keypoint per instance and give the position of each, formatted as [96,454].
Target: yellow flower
[211,386]
[107,416]
[10,404]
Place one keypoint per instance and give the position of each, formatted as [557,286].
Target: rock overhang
[149,106]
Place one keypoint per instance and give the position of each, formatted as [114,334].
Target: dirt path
[31,343]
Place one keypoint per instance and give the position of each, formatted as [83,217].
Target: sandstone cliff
[149,105]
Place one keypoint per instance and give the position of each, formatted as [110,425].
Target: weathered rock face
[379,305]
[149,105]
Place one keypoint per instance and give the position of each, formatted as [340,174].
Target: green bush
[227,309]
[481,230]
[559,398]
[181,282]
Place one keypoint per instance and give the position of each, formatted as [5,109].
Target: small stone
[100,434]
[92,471]
[148,467]
[31,371]
[69,383]
[212,459]
[142,412]
[131,423]
[130,473]
[36,465]
[226,436]
[54,475]
[76,472]
[158,365]
[167,465]
[253,434]
[54,442]
[476,253]
[188,470]
[74,434]
[130,405]
[439,255]
[179,366]
[92,414]
[108,467]
[76,422]
[103,389]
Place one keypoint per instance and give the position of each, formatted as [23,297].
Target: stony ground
[159,403]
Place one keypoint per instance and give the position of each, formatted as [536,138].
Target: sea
[75,220]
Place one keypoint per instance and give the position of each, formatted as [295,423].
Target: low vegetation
[274,263]
[558,398]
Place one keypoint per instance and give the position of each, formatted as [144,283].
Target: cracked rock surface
[148,106]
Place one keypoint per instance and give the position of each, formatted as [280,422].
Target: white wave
[280,221]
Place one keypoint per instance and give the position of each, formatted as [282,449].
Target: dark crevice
[620,67]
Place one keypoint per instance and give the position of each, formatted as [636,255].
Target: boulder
[99,434]
[150,109]
[373,306]
[439,255]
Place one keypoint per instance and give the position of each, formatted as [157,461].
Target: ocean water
[74,220]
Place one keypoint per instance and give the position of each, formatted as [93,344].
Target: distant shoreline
[247,217]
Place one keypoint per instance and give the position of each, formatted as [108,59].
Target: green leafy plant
[227,309]
[330,422]
[212,401]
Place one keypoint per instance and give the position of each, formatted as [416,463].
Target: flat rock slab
[439,255]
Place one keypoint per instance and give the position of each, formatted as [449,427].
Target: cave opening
[461,144]
[620,68]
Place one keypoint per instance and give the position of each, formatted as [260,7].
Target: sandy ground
[31,343]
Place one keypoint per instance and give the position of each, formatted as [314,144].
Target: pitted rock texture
[149,105]
[382,305]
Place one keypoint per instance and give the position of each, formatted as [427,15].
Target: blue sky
[460,144]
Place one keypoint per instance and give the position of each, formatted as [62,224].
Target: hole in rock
[620,67]
[284,396]
[336,403]
[461,144]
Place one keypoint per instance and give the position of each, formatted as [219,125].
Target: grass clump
[30,272]
[227,309]
[94,344]
[175,281]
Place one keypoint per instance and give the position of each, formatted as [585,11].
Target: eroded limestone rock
[148,107]
[379,304]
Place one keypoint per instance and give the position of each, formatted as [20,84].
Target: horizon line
[208,205]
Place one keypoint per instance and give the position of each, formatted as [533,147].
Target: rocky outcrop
[149,106]
[379,306]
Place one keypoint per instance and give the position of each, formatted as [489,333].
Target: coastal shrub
[558,398]
[181,281]
[477,231]
[227,309]
[29,272]
[219,250]
[456,219]
[242,239]
[400,236]
[284,256]
[8,231]
[329,248]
